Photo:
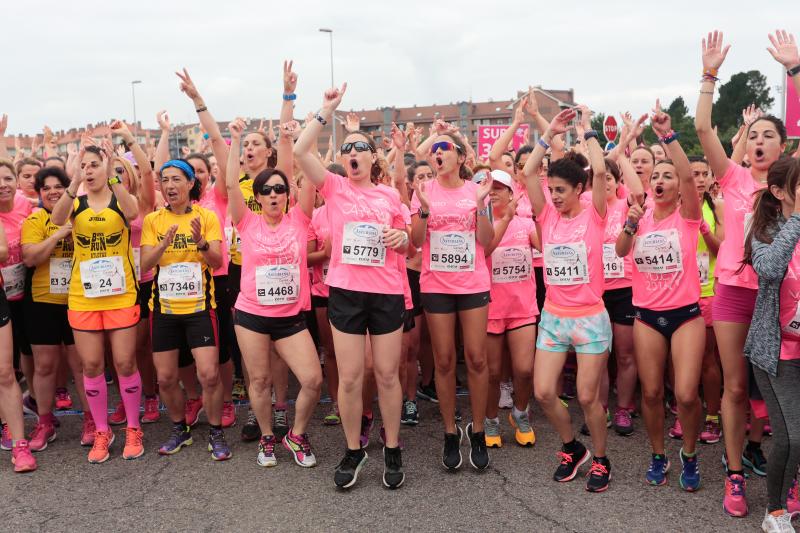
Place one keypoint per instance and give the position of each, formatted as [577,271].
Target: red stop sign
[610,128]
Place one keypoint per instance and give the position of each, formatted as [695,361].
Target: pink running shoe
[193,409]
[792,499]
[151,413]
[117,418]
[22,458]
[735,502]
[711,432]
[228,414]
[676,431]
[5,438]
[63,400]
[88,431]
[43,434]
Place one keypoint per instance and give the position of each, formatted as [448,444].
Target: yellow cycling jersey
[102,268]
[183,282]
[49,281]
[246,186]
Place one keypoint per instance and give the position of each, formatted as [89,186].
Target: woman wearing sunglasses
[451,223]
[365,277]
[275,292]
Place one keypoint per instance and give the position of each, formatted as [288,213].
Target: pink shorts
[498,326]
[733,304]
[705,310]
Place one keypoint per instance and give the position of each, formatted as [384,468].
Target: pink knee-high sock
[130,388]
[97,396]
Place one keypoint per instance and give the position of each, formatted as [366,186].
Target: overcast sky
[67,64]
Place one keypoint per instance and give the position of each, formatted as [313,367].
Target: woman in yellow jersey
[47,252]
[183,242]
[103,291]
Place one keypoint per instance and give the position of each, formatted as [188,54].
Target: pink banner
[792,117]
[487,135]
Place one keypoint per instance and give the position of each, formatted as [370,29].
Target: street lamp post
[133,95]
[333,117]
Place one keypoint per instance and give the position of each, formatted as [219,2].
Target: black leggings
[781,393]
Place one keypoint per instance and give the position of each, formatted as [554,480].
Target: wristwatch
[113,180]
[423,214]
[203,248]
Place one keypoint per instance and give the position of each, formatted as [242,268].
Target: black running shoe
[280,423]
[428,392]
[250,430]
[410,416]
[347,470]
[451,455]
[478,454]
[570,462]
[393,475]
[599,475]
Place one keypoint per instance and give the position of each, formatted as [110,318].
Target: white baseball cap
[501,176]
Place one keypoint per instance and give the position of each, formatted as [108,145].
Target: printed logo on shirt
[465,203]
[98,242]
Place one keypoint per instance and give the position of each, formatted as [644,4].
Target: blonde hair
[133,174]
[9,165]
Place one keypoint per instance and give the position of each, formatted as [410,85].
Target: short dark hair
[526,149]
[202,157]
[263,177]
[569,170]
[778,123]
[50,172]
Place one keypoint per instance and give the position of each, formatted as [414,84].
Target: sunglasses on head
[119,170]
[444,146]
[360,146]
[279,188]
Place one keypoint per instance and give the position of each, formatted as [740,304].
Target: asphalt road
[190,492]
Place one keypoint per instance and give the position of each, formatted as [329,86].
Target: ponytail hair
[709,200]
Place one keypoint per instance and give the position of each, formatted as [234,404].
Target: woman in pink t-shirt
[365,280]
[573,313]
[666,292]
[451,223]
[736,289]
[274,293]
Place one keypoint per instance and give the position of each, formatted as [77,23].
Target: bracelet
[708,77]
[705,229]
[73,196]
[591,134]
[794,71]
[204,248]
[707,92]
[669,137]
[320,119]
[543,144]
[483,212]
[201,109]
[710,72]
[206,136]
[289,97]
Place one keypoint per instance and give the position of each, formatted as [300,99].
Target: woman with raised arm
[103,292]
[367,231]
[736,288]
[573,314]
[666,292]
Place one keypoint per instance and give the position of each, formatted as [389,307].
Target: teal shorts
[590,334]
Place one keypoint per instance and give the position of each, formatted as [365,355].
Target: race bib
[748,221]
[452,251]
[104,276]
[793,326]
[325,266]
[14,280]
[137,263]
[613,265]
[229,235]
[277,284]
[510,264]
[703,267]
[536,254]
[60,274]
[362,244]
[658,252]
[180,281]
[566,264]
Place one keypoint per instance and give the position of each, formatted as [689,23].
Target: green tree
[743,89]
[683,123]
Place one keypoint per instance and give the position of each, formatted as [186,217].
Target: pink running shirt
[13,269]
[319,231]
[790,309]
[617,271]
[513,293]
[218,204]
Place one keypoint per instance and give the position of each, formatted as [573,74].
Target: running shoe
[22,458]
[109,377]
[239,390]
[457,414]
[179,437]
[672,405]
[676,431]
[690,473]
[393,475]
[792,499]
[585,428]
[228,414]
[492,429]
[599,475]
[382,438]
[754,459]
[346,473]
[451,454]
[735,501]
[657,472]
[220,451]
[118,417]
[711,433]
[570,461]
[63,399]
[478,454]
[102,442]
[88,430]
[333,418]
[506,401]
[43,434]
[151,412]
[266,451]
[410,415]
[133,443]
[777,522]
[366,427]
[251,430]
[300,447]
[192,410]
[568,389]
[428,392]
[29,406]
[5,438]
[523,432]
[622,422]
[280,424]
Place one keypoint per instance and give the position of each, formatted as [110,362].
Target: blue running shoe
[180,437]
[657,473]
[690,475]
[220,451]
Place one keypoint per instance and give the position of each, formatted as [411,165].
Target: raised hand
[352,123]
[163,120]
[108,155]
[166,240]
[270,133]
[289,78]
[197,230]
[187,85]
[784,49]
[439,126]
[422,196]
[3,125]
[333,97]
[398,138]
[750,114]
[291,129]
[519,112]
[660,121]
[185,151]
[386,144]
[635,213]
[484,188]
[560,122]
[64,231]
[119,128]
[714,53]
[531,105]
[236,128]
